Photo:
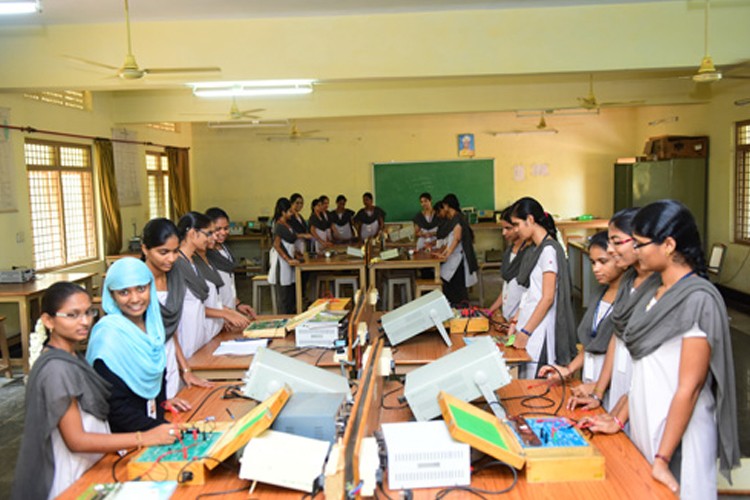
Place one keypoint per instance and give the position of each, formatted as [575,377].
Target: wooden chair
[5,362]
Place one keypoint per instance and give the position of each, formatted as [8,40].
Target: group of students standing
[159,310]
[656,347]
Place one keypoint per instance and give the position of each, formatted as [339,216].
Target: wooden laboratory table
[220,479]
[319,263]
[205,365]
[628,474]
[429,346]
[28,297]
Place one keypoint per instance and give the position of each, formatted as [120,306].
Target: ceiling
[378,57]
[107,11]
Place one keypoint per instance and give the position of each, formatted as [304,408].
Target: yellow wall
[253,172]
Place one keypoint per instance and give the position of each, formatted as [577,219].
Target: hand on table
[161,434]
[551,373]
[587,402]
[521,338]
[583,390]
[235,320]
[603,424]
[246,310]
[177,404]
[191,379]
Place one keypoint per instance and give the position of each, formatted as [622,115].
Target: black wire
[320,357]
[382,490]
[205,398]
[217,493]
[119,459]
[386,394]
[479,492]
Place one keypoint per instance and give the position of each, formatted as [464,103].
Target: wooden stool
[260,281]
[426,286]
[5,362]
[342,280]
[391,285]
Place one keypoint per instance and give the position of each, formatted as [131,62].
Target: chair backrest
[716,258]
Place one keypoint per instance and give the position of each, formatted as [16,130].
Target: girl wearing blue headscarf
[127,348]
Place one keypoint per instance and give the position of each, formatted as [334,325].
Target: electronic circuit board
[191,446]
[547,432]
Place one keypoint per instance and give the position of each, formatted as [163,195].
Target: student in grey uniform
[459,271]
[283,257]
[320,224]
[370,220]
[341,221]
[298,224]
[425,223]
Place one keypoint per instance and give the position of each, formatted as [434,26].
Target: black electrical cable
[205,398]
[217,493]
[116,462]
[386,394]
[479,492]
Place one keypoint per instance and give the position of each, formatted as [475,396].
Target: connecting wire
[116,462]
[386,394]
[220,493]
[479,492]
[548,402]
[205,398]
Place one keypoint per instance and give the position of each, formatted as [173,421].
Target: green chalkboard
[398,185]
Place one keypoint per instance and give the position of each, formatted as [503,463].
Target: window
[62,203]
[742,182]
[75,99]
[164,126]
[157,168]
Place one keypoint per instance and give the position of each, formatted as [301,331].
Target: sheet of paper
[240,347]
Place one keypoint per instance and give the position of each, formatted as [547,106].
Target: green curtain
[179,180]
[109,199]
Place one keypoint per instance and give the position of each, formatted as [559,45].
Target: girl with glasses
[682,405]
[65,428]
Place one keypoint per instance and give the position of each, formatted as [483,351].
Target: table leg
[298,288]
[25,324]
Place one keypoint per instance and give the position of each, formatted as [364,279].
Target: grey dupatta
[57,378]
[207,272]
[596,344]
[626,298]
[565,327]
[509,267]
[220,261]
[693,300]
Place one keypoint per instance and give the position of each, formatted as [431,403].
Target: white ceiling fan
[590,102]
[294,135]
[541,128]
[130,69]
[235,113]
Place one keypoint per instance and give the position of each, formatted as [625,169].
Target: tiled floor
[12,393]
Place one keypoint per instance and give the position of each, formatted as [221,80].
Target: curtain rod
[32,130]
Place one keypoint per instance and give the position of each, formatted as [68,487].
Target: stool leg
[409,294]
[274,308]
[256,297]
[5,351]
[391,292]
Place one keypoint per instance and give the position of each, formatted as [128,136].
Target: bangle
[619,423]
[524,330]
[662,457]
[139,439]
[596,397]
[186,370]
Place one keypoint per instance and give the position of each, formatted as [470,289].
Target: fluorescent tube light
[253,88]
[522,132]
[248,124]
[11,8]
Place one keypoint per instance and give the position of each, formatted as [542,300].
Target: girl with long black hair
[283,256]
[459,271]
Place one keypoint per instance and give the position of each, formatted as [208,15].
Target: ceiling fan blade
[615,104]
[91,63]
[256,110]
[156,71]
[308,132]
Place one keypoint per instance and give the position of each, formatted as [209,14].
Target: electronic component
[411,319]
[312,415]
[423,455]
[468,373]
[17,275]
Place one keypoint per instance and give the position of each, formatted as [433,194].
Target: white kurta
[228,292]
[512,293]
[173,369]
[213,325]
[622,374]
[547,263]
[649,405]
[279,267]
[69,466]
[593,363]
[449,267]
[369,230]
[323,235]
[191,329]
[344,232]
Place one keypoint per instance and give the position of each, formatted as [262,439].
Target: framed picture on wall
[466,145]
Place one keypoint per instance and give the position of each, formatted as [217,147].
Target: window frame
[742,183]
[161,176]
[59,169]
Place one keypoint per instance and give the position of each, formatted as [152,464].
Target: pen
[230,414]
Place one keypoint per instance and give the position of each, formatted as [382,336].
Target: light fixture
[742,102]
[522,132]
[252,88]
[12,8]
[248,124]
[668,119]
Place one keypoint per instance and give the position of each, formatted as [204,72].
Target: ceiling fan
[235,113]
[541,128]
[707,72]
[130,69]
[294,135]
[590,102]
